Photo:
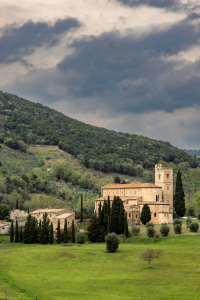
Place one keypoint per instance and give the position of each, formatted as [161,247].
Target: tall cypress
[44,232]
[126,227]
[65,232]
[108,206]
[105,214]
[99,209]
[51,239]
[20,235]
[73,232]
[179,197]
[30,235]
[121,218]
[115,212]
[16,206]
[16,232]
[96,232]
[81,219]
[58,233]
[145,214]
[11,232]
[108,225]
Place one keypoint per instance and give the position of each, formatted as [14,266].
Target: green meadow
[87,272]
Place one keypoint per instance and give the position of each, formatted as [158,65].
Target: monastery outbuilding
[158,196]
[54,215]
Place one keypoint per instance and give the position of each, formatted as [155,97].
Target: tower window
[167,175]
[168,188]
[154,215]
[157,198]
[159,176]
[136,216]
[129,215]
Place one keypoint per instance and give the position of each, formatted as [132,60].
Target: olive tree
[149,254]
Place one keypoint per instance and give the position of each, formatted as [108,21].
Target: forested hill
[97,148]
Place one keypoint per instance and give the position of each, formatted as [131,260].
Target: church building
[158,196]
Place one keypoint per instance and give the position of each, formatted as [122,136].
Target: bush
[198,216]
[177,221]
[112,242]
[194,226]
[177,228]
[164,230]
[174,215]
[188,222]
[150,232]
[149,224]
[190,211]
[135,230]
[80,238]
[156,235]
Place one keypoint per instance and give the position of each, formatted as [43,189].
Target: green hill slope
[97,148]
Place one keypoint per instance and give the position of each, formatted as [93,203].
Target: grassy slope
[88,272]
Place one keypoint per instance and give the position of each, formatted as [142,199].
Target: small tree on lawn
[58,233]
[145,214]
[51,239]
[112,242]
[16,233]
[149,254]
[11,232]
[65,232]
[73,233]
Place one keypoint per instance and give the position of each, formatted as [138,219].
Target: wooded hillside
[97,148]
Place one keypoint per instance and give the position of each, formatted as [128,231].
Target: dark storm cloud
[169,4]
[131,71]
[122,74]
[19,41]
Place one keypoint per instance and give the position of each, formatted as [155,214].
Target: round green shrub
[194,226]
[177,228]
[80,238]
[150,232]
[149,224]
[164,230]
[188,222]
[135,230]
[177,221]
[112,242]
[198,216]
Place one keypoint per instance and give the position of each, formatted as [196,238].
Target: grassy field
[88,272]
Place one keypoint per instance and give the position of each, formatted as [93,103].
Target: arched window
[167,175]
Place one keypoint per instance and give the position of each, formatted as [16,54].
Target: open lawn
[88,272]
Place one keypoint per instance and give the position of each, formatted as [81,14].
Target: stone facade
[4,228]
[158,196]
[54,215]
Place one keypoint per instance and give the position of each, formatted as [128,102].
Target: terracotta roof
[130,185]
[3,225]
[64,216]
[121,197]
[47,210]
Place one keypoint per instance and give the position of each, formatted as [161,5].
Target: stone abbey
[158,196]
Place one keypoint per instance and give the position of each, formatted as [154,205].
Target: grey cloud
[19,41]
[169,4]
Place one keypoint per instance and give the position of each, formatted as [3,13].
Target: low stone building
[4,228]
[158,196]
[54,215]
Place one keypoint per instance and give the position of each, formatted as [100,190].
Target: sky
[126,65]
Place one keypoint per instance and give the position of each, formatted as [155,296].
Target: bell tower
[164,178]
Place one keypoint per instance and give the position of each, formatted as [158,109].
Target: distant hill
[192,152]
[97,148]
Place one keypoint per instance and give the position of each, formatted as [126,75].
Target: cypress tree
[30,230]
[108,226]
[58,233]
[81,208]
[21,235]
[44,231]
[11,232]
[95,230]
[108,206]
[126,227]
[16,206]
[179,197]
[145,214]
[73,232]
[121,218]
[51,239]
[65,232]
[99,209]
[105,215]
[115,213]
[16,232]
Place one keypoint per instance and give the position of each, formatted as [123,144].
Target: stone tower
[164,178]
